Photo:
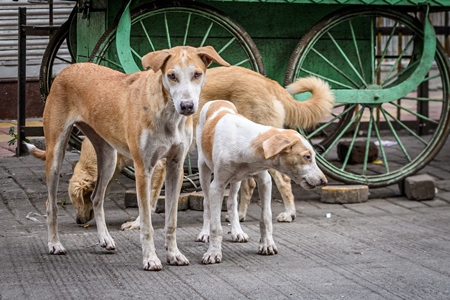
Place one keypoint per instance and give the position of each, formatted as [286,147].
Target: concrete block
[131,201]
[358,152]
[419,187]
[196,201]
[343,194]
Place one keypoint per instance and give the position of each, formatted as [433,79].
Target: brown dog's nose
[187,107]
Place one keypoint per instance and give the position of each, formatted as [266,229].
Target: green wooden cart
[387,70]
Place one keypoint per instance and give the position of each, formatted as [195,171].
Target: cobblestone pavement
[386,248]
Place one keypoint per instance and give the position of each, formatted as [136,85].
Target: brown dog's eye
[172,77]
[307,157]
[197,75]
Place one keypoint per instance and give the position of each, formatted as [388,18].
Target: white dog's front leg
[173,186]
[267,245]
[150,260]
[214,253]
[237,234]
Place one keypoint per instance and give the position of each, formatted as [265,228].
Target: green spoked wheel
[391,81]
[164,24]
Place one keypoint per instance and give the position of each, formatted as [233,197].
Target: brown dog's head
[81,186]
[183,70]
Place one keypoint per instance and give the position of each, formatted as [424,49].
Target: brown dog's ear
[208,55]
[155,60]
[275,144]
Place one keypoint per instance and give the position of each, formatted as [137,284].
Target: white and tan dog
[146,116]
[233,148]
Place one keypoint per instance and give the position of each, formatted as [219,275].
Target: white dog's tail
[36,152]
[307,114]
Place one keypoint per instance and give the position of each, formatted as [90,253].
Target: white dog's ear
[275,144]
[208,55]
[155,60]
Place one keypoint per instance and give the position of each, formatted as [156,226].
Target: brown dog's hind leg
[56,143]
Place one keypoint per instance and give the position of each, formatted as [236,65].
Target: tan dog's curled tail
[309,113]
[36,152]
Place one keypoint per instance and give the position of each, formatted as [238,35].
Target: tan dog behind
[233,148]
[145,116]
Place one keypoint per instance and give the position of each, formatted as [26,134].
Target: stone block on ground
[345,194]
[131,201]
[418,187]
[196,201]
[358,152]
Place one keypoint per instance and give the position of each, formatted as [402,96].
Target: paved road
[386,248]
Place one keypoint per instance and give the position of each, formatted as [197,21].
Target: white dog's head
[183,70]
[294,156]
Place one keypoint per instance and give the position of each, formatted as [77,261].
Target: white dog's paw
[153,264]
[176,258]
[286,217]
[267,249]
[56,249]
[212,257]
[240,237]
[203,237]
[106,241]
[131,225]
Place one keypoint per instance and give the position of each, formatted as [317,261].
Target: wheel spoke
[63,60]
[350,147]
[388,42]
[148,37]
[326,79]
[383,153]
[399,142]
[188,22]
[166,23]
[397,61]
[411,65]
[404,127]
[136,54]
[357,115]
[414,113]
[423,99]
[348,61]
[206,34]
[330,122]
[335,67]
[242,62]
[227,45]
[355,43]
[369,134]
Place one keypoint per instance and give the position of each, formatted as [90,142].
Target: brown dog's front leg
[151,261]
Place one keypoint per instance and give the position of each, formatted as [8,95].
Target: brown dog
[146,116]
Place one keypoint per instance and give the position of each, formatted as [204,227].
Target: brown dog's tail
[36,152]
[307,114]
